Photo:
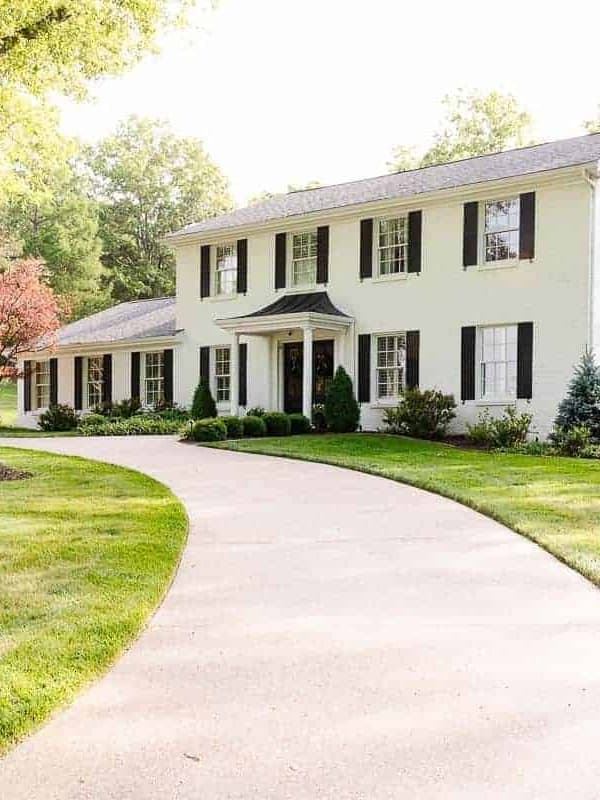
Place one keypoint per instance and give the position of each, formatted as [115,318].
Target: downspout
[592,273]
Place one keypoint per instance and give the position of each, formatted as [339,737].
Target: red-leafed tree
[29,312]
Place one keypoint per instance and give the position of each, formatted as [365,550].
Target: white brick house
[479,277]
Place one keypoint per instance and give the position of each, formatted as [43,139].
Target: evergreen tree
[341,409]
[581,406]
[203,405]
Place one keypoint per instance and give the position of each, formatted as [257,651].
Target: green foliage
[149,183]
[581,406]
[253,426]
[572,441]
[341,409]
[138,425]
[60,417]
[474,124]
[422,414]
[208,430]
[122,410]
[278,424]
[203,404]
[256,411]
[234,427]
[504,432]
[299,424]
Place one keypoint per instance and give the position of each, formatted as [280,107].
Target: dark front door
[293,354]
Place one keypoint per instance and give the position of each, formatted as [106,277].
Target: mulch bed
[10,474]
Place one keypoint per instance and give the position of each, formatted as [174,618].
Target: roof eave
[96,347]
[271,323]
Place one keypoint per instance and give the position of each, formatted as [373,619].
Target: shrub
[138,425]
[341,409]
[174,413]
[507,431]
[126,408]
[234,427]
[257,411]
[318,418]
[572,441]
[299,423]
[203,405]
[278,424]
[209,429]
[581,406]
[422,414]
[60,417]
[253,426]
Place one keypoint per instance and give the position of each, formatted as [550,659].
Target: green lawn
[554,501]
[87,551]
[8,403]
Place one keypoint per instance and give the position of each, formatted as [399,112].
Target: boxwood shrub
[61,417]
[234,427]
[254,426]
[278,424]
[210,429]
[299,423]
[139,425]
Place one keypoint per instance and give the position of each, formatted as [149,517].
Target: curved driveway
[332,635]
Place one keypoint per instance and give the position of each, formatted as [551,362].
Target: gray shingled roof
[524,161]
[139,319]
[316,302]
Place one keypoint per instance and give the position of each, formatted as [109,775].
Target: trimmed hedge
[203,404]
[234,425]
[139,425]
[254,426]
[210,429]
[278,424]
[299,423]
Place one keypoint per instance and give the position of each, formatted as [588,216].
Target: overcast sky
[288,91]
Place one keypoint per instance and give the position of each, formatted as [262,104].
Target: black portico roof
[300,303]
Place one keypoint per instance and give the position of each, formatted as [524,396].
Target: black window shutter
[470,236]
[78,383]
[525,360]
[242,266]
[527,225]
[280,259]
[243,375]
[323,254]
[412,359]
[364,368]
[135,376]
[415,235]
[168,373]
[53,381]
[107,378]
[467,363]
[366,248]
[204,363]
[205,270]
[27,386]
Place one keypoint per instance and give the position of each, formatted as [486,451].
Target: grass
[553,501]
[87,551]
[8,403]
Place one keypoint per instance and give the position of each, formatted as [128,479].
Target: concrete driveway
[332,635]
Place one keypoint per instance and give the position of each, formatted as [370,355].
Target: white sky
[287,91]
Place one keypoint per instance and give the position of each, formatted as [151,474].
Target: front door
[293,354]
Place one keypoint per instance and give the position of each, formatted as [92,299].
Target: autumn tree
[148,183]
[29,311]
[474,124]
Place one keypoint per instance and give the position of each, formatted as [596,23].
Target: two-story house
[478,277]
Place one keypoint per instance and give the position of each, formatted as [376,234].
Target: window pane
[226,269]
[304,258]
[392,245]
[498,367]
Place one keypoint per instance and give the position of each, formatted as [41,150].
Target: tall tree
[291,187]
[474,124]
[149,182]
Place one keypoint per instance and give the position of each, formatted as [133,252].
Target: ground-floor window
[222,374]
[498,362]
[42,384]
[390,365]
[95,379]
[154,378]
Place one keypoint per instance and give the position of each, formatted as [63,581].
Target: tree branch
[34,30]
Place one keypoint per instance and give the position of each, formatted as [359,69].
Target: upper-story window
[95,379]
[498,362]
[154,378]
[222,374]
[42,384]
[304,258]
[226,269]
[501,230]
[392,245]
[390,365]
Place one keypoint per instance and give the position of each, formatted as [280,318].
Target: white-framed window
[222,374]
[95,379]
[154,378]
[501,230]
[41,378]
[226,269]
[304,258]
[392,245]
[498,362]
[390,365]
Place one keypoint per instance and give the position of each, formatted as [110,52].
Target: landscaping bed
[87,551]
[10,474]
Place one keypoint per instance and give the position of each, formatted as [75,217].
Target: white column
[307,380]
[234,380]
